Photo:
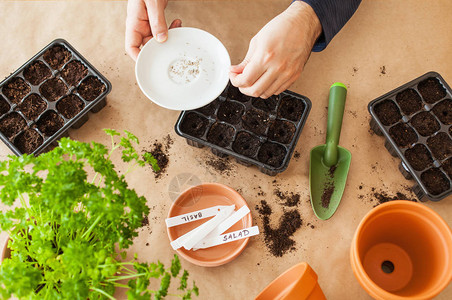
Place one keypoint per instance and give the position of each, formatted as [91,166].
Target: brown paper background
[409,38]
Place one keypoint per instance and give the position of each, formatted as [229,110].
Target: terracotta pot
[297,283]
[6,252]
[402,250]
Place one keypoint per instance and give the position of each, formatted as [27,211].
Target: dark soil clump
[28,141]
[281,131]
[289,199]
[159,151]
[220,134]
[209,109]
[246,144]
[425,123]
[264,209]
[403,135]
[230,112]
[383,197]
[73,72]
[291,109]
[296,155]
[419,157]
[256,121]
[57,56]
[268,105]
[272,154]
[91,88]
[53,89]
[194,125]
[4,106]
[441,145]
[431,90]
[32,106]
[327,194]
[387,112]
[145,221]
[435,181]
[37,72]
[235,94]
[16,89]
[50,123]
[70,106]
[409,101]
[443,111]
[221,165]
[12,124]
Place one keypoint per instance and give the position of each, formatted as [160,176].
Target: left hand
[278,53]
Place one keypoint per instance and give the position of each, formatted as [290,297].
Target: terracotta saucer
[201,197]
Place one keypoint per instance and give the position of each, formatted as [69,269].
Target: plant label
[194,216]
[230,237]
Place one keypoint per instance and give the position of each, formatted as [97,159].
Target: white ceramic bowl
[186,72]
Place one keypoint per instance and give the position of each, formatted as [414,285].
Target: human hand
[278,52]
[146,19]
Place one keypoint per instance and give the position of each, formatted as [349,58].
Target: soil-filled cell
[441,145]
[425,123]
[73,72]
[387,112]
[246,144]
[230,112]
[4,106]
[409,101]
[53,89]
[194,125]
[447,166]
[281,131]
[256,121]
[235,94]
[28,141]
[32,106]
[291,108]
[16,89]
[431,90]
[419,157]
[12,124]
[37,72]
[268,105]
[443,111]
[70,106]
[209,109]
[272,154]
[49,123]
[435,181]
[403,135]
[91,88]
[57,56]
[220,134]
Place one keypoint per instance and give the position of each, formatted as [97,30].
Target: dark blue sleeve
[333,14]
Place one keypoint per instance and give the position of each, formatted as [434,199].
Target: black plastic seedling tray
[50,93]
[416,120]
[253,130]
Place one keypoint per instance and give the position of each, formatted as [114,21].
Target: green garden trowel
[329,163]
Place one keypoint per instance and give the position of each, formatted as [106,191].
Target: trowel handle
[336,106]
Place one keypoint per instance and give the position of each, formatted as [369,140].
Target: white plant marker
[194,216]
[230,237]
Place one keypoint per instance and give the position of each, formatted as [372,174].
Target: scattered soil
[387,112]
[409,101]
[49,123]
[73,72]
[16,89]
[209,109]
[57,56]
[425,123]
[12,124]
[443,111]
[281,131]
[431,90]
[230,112]
[70,106]
[53,89]
[91,88]
[403,135]
[272,154]
[383,70]
[194,125]
[440,145]
[145,221]
[28,141]
[221,165]
[256,121]
[291,108]
[296,155]
[268,105]
[4,106]
[37,72]
[160,151]
[246,144]
[383,197]
[419,157]
[220,134]
[328,190]
[32,106]
[235,94]
[290,199]
[435,181]
[447,166]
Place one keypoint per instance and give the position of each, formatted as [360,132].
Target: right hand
[145,20]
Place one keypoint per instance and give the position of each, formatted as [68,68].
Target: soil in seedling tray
[441,145]
[57,56]
[230,112]
[268,105]
[16,89]
[425,123]
[50,122]
[435,181]
[403,135]
[419,157]
[91,88]
[37,72]
[209,109]
[12,124]
[32,106]
[70,106]
[194,125]
[272,154]
[281,131]
[431,90]
[53,89]
[220,134]
[387,112]
[443,111]
[256,121]
[246,144]
[28,141]
[73,72]
[409,101]
[234,94]
[447,166]
[4,106]
[291,109]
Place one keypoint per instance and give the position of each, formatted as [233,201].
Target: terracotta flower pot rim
[372,288]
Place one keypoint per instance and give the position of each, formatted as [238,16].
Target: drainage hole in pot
[272,154]
[431,90]
[220,134]
[91,88]
[57,56]
[53,89]
[194,125]
[16,89]
[281,131]
[403,135]
[291,108]
[387,112]
[387,267]
[50,122]
[246,144]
